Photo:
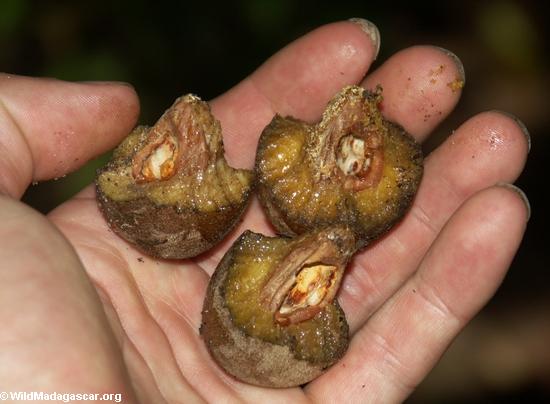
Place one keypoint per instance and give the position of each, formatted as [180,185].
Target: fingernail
[371,30]
[107,83]
[457,62]
[521,126]
[517,190]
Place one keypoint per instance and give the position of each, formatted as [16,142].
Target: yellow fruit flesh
[317,340]
[382,202]
[284,166]
[290,179]
[220,186]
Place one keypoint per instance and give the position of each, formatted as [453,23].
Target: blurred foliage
[167,48]
[12,13]
[507,30]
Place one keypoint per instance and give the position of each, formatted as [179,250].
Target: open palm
[83,311]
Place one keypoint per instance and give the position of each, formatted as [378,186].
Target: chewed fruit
[270,316]
[353,168]
[168,189]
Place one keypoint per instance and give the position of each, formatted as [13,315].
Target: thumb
[50,127]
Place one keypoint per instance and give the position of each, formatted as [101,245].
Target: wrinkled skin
[87,312]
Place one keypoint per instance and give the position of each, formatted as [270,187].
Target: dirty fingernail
[371,30]
[106,83]
[520,193]
[520,124]
[458,63]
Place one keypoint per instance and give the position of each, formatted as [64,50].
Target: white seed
[351,156]
[161,161]
[312,285]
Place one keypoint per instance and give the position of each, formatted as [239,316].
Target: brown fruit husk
[301,187]
[192,210]
[242,336]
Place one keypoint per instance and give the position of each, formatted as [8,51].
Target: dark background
[168,48]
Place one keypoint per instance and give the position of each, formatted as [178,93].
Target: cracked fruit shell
[270,317]
[353,167]
[168,189]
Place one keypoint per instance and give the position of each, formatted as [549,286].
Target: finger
[487,149]
[298,80]
[51,311]
[421,86]
[49,127]
[395,350]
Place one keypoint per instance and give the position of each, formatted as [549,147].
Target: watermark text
[59,397]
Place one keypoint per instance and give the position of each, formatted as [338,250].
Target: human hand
[85,312]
